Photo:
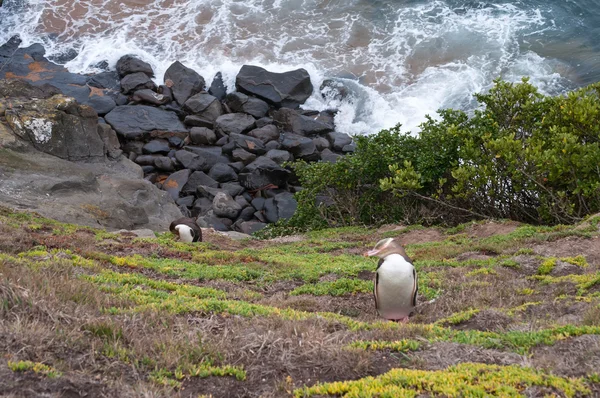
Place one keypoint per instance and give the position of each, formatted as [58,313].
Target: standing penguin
[187,230]
[395,281]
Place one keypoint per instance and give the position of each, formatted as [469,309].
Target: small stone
[222,172]
[202,136]
[159,146]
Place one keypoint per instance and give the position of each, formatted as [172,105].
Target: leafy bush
[522,156]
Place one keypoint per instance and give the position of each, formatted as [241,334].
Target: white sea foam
[409,59]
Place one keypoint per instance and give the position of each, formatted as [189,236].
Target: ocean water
[401,59]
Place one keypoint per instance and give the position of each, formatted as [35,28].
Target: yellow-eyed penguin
[395,281]
[187,230]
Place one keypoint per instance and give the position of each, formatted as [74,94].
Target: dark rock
[225,206]
[204,105]
[202,136]
[175,182]
[289,89]
[136,81]
[242,155]
[247,196]
[260,216]
[101,104]
[107,80]
[321,143]
[330,157]
[333,89]
[266,133]
[192,161]
[131,121]
[222,141]
[156,146]
[133,147]
[232,188]
[17,88]
[279,156]
[349,148]
[217,87]
[112,146]
[237,166]
[264,121]
[185,212]
[240,102]
[183,81]
[290,120]
[258,203]
[196,179]
[148,96]
[272,145]
[166,92]
[201,207]
[262,172]
[57,126]
[229,147]
[221,172]
[129,64]
[327,117]
[120,99]
[148,169]
[301,147]
[211,221]
[176,142]
[250,227]
[234,123]
[286,205]
[211,155]
[250,144]
[164,163]
[338,140]
[271,193]
[270,210]
[207,192]
[241,201]
[247,214]
[187,201]
[197,121]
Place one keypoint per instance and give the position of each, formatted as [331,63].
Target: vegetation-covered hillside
[506,309]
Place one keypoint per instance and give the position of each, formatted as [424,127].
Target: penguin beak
[370,253]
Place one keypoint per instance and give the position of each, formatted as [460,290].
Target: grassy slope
[516,312]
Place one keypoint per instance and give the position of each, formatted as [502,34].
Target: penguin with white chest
[395,281]
[187,230]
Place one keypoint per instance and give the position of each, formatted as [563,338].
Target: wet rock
[175,182]
[289,89]
[132,121]
[136,81]
[338,140]
[202,136]
[204,105]
[334,90]
[225,206]
[234,123]
[217,87]
[263,172]
[301,147]
[107,80]
[156,146]
[183,81]
[221,172]
[279,156]
[290,120]
[128,64]
[266,133]
[240,102]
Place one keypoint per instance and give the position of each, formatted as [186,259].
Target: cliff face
[57,160]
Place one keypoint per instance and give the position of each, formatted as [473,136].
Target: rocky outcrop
[133,121]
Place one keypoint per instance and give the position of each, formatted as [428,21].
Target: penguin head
[385,247]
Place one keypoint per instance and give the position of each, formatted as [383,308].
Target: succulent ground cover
[506,309]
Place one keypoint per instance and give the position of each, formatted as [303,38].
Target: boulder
[286,205]
[247,214]
[217,87]
[156,146]
[279,156]
[211,221]
[107,80]
[225,206]
[328,156]
[272,145]
[263,172]
[270,211]
[102,104]
[204,105]
[289,89]
[196,179]
[301,147]
[164,163]
[233,189]
[240,102]
[234,123]
[266,133]
[258,203]
[136,81]
[242,155]
[221,172]
[349,148]
[128,64]
[183,81]
[338,140]
[132,121]
[249,144]
[294,122]
[201,207]
[202,136]
[321,143]
[56,125]
[148,96]
[175,182]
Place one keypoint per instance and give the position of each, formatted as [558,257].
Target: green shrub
[522,156]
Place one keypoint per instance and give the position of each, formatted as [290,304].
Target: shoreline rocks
[219,156]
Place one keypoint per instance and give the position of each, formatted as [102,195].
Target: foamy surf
[403,61]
